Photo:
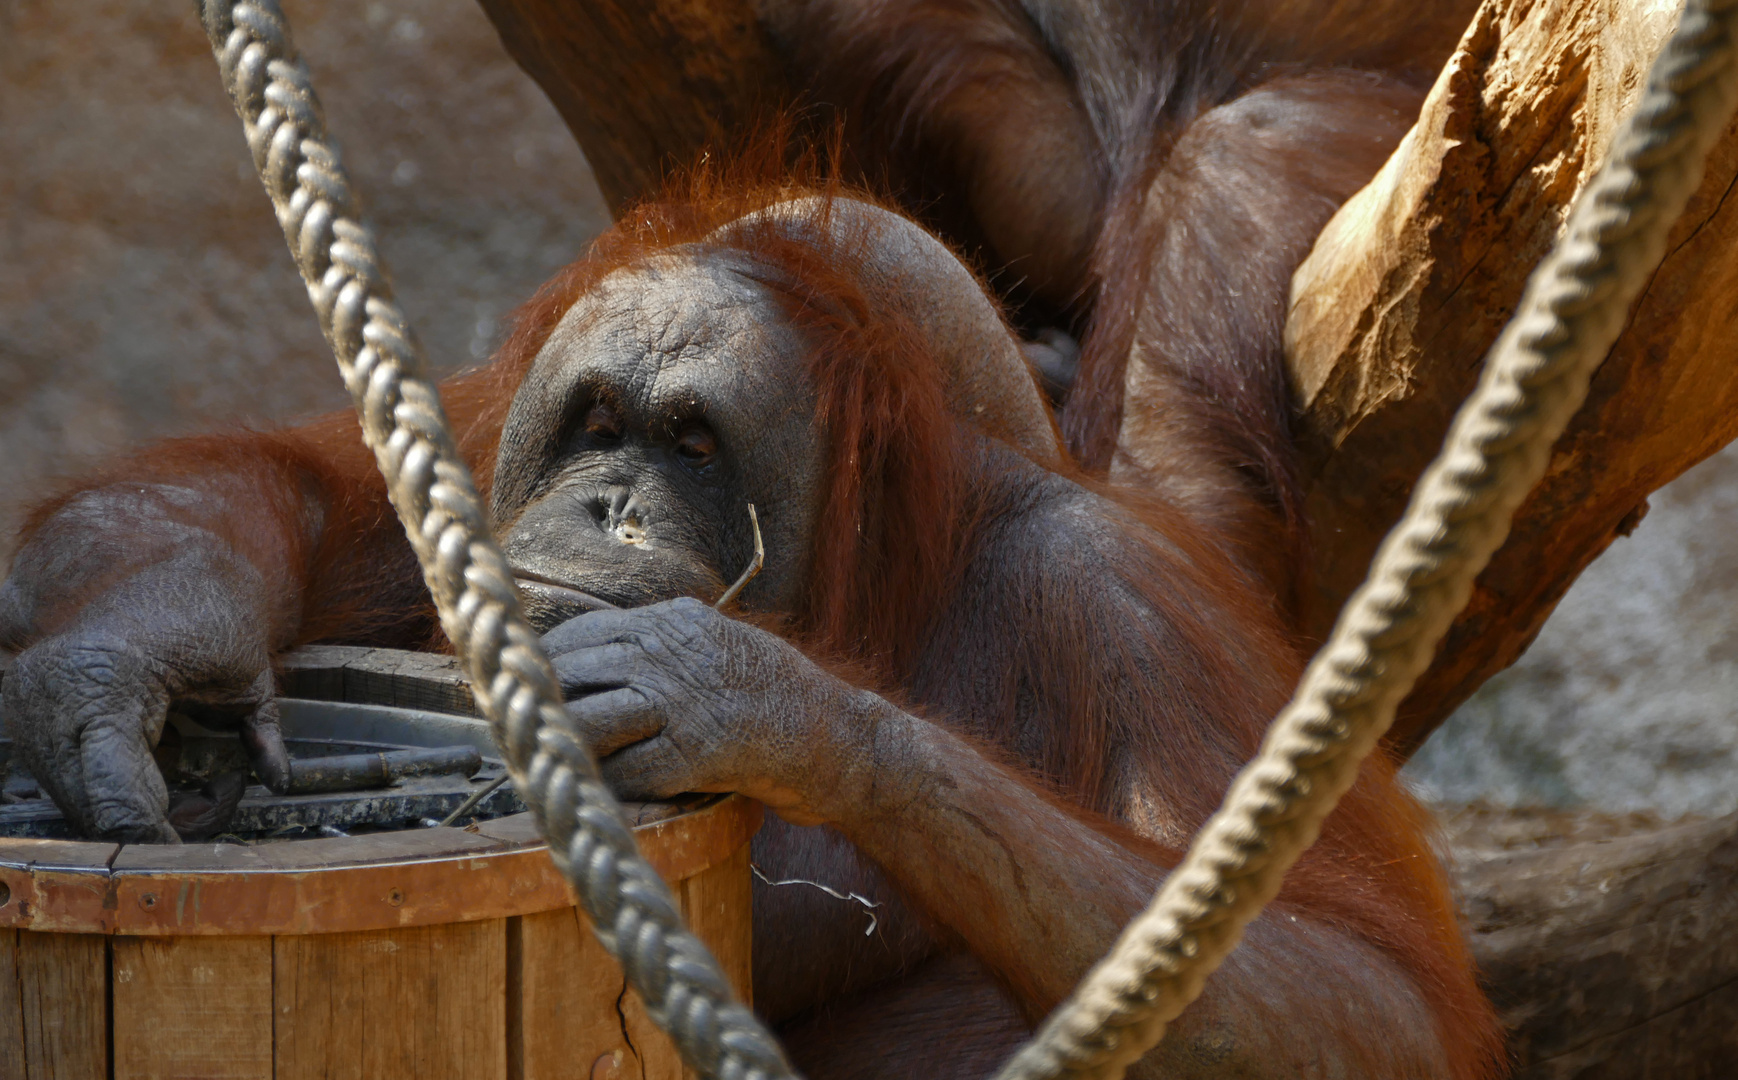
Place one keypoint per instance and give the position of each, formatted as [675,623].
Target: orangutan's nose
[623,514]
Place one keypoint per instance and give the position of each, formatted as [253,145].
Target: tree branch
[644,85]
[1408,286]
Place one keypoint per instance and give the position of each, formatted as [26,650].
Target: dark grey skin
[675,696]
[174,615]
[668,399]
[670,508]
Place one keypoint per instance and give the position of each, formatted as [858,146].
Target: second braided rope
[1535,378]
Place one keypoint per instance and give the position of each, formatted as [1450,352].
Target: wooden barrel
[429,953]
[424,953]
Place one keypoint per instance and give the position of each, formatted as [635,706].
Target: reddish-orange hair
[900,516]
[896,526]
[881,559]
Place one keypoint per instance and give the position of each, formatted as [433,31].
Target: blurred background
[144,286]
[145,292]
[1628,700]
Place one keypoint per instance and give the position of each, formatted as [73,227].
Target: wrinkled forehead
[683,317]
[688,334]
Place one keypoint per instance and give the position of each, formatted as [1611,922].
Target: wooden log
[1408,286]
[1615,957]
[644,84]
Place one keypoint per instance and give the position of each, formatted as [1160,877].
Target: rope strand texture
[402,421]
[1534,380]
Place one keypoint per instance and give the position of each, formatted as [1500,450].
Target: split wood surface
[1410,283]
[1608,946]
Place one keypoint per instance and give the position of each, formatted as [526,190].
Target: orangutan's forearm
[153,549]
[1039,895]
[1033,892]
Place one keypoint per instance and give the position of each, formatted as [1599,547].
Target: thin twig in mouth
[597,603]
[753,566]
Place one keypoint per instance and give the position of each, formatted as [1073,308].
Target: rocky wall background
[1628,699]
[145,292]
[145,289]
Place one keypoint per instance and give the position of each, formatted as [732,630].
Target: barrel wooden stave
[414,955]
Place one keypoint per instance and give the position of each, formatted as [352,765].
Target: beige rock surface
[1628,700]
[144,288]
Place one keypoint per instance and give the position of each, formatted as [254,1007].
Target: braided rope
[402,421]
[1535,378]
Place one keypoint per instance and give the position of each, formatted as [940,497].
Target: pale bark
[1410,283]
[1605,956]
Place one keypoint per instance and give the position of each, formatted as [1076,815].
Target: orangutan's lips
[543,595]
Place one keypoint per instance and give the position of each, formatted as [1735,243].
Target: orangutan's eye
[603,424]
[696,446]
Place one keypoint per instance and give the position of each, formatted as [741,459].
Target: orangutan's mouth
[548,603]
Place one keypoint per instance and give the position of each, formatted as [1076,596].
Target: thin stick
[476,797]
[753,567]
[729,595]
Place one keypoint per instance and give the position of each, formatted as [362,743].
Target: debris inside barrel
[354,772]
[402,769]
